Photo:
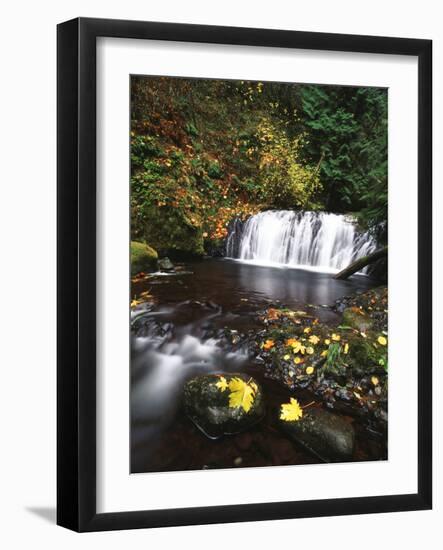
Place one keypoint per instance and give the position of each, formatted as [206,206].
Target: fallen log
[361,263]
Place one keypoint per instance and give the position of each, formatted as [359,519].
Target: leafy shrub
[285,181]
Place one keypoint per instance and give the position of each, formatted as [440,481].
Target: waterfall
[316,240]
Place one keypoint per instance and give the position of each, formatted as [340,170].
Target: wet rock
[356,318]
[207,403]
[328,436]
[146,325]
[165,264]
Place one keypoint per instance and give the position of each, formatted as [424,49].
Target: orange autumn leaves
[268,344]
[298,346]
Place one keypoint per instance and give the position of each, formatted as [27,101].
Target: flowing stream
[321,241]
[181,332]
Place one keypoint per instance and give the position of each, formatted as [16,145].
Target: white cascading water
[315,240]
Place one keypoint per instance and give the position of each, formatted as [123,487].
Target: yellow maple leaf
[336,337]
[382,340]
[222,384]
[309,350]
[307,330]
[314,339]
[298,347]
[309,370]
[291,411]
[375,380]
[242,394]
[135,302]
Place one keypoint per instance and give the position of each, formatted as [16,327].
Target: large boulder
[223,404]
[143,257]
[326,435]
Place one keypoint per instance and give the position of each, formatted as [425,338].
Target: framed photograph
[244,274]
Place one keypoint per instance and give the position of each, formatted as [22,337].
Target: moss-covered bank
[143,257]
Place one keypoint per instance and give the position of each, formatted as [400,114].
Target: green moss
[363,356]
[170,231]
[143,257]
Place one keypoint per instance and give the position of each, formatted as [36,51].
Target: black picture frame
[76,264]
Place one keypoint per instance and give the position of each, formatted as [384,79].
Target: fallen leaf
[222,384]
[382,341]
[298,347]
[268,344]
[291,411]
[272,314]
[242,394]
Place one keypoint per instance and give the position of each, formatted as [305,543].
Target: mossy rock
[356,318]
[171,232]
[143,257]
[207,403]
[363,356]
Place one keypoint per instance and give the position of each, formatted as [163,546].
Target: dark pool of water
[238,286]
[208,295]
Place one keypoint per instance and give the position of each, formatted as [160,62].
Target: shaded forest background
[204,152]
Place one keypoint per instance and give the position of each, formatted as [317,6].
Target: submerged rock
[223,404]
[328,436]
[165,264]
